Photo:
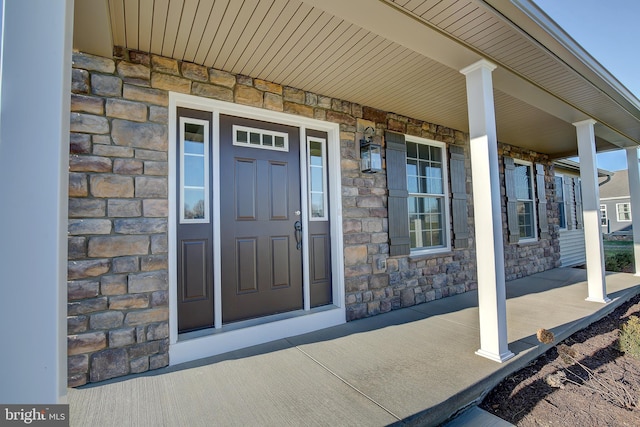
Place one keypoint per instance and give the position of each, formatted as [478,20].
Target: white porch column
[492,302]
[591,211]
[634,192]
[35,87]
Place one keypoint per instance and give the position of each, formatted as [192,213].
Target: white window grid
[623,211]
[603,215]
[245,136]
[206,159]
[528,200]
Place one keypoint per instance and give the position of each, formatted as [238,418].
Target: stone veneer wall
[118,188]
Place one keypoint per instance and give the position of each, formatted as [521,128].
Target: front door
[260,221]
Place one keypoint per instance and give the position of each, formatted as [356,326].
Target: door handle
[298,233]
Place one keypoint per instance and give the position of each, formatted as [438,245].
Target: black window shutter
[512,201]
[543,220]
[459,197]
[399,239]
[577,187]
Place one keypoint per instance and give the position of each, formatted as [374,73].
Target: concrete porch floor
[415,366]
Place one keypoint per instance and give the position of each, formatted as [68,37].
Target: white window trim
[325,202]
[603,208]
[446,226]
[618,205]
[207,176]
[262,133]
[533,201]
[253,332]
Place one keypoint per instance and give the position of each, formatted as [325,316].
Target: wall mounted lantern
[370,153]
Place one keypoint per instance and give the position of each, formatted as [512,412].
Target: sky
[609,31]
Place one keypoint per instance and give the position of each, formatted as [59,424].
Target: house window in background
[562,216]
[603,215]
[624,212]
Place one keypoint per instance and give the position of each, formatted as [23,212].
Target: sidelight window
[194,170]
[523,174]
[316,149]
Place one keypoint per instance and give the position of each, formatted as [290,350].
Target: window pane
[523,182]
[315,153]
[561,215]
[193,203]
[413,185]
[194,171]
[316,179]
[254,138]
[267,140]
[426,222]
[191,147]
[525,219]
[317,205]
[559,189]
[279,142]
[412,150]
[241,136]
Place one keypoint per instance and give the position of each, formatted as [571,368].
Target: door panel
[194,227]
[260,195]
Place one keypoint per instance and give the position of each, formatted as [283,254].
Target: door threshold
[195,345]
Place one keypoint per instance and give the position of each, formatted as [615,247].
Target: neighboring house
[570,213]
[615,204]
[217,193]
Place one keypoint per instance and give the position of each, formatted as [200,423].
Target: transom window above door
[260,138]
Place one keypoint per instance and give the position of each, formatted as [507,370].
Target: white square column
[634,191]
[35,96]
[591,211]
[492,303]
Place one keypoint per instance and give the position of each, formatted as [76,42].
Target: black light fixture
[370,153]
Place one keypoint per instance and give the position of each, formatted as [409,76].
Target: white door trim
[228,338]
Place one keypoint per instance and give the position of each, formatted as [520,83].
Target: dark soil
[526,398]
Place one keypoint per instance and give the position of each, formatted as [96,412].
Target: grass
[618,256]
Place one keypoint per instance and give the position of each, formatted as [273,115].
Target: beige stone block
[144,317]
[342,118]
[121,337]
[156,168]
[87,104]
[79,81]
[138,57]
[140,225]
[324,102]
[158,114]
[134,71]
[106,85]
[154,262]
[150,136]
[106,320]
[112,151]
[113,285]
[222,78]
[76,247]
[86,208]
[89,62]
[128,110]
[86,343]
[354,255]
[79,143]
[273,102]
[164,65]
[148,282]
[86,306]
[310,99]
[158,361]
[293,95]
[155,208]
[124,208]
[158,331]
[159,244]
[87,268]
[145,94]
[151,155]
[126,302]
[88,226]
[115,246]
[88,123]
[111,186]
[169,82]
[151,187]
[126,264]
[266,86]
[194,71]
[78,185]
[81,289]
[109,363]
[77,364]
[89,164]
[212,91]
[139,365]
[248,96]
[298,109]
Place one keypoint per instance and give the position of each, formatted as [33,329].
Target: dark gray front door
[260,209]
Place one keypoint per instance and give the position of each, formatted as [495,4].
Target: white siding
[572,249]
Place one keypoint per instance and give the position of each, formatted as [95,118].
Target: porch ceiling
[396,55]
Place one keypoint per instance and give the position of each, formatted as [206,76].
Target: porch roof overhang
[402,56]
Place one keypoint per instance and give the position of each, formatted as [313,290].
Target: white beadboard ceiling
[402,56]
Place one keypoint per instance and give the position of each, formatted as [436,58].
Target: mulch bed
[526,398]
